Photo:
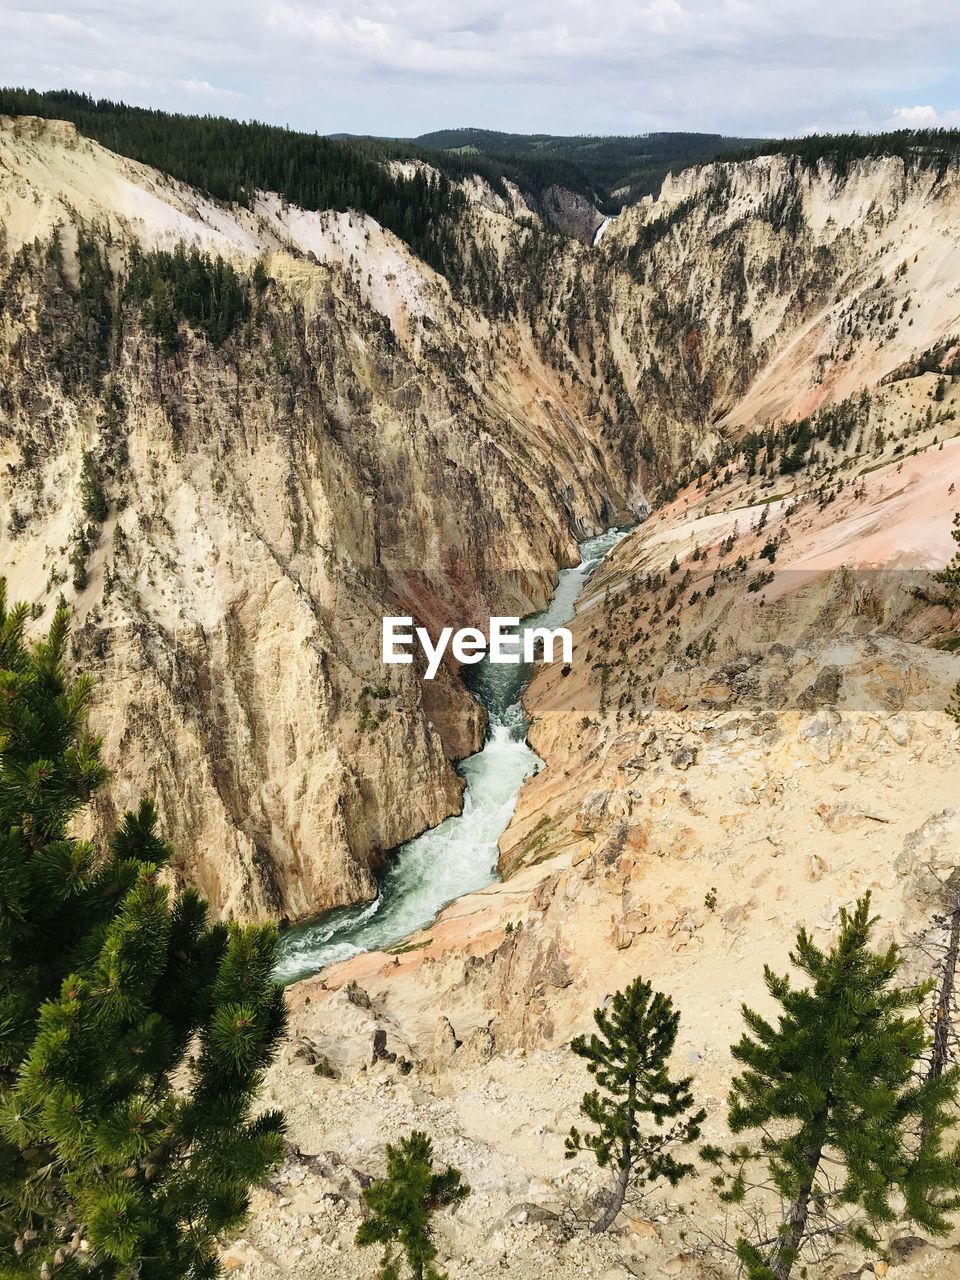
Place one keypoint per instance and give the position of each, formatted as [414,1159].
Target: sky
[402,67]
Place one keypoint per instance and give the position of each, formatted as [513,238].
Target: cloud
[403,66]
[915,117]
[923,118]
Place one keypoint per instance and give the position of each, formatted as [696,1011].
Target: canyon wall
[753,733]
[373,439]
[357,447]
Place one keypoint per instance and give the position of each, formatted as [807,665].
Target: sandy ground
[687,840]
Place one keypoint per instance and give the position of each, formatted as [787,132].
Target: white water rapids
[460,855]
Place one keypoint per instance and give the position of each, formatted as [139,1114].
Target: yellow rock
[645,1230]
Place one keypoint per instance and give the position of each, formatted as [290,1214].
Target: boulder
[930,857]
[825,690]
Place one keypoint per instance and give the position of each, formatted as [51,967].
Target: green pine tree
[92,493]
[842,1114]
[629,1060]
[402,1204]
[950,576]
[953,706]
[133,1032]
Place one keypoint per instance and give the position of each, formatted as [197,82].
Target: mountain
[621,169]
[260,389]
[342,441]
[326,428]
[752,733]
[565,180]
[609,172]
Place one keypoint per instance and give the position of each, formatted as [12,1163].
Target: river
[459,855]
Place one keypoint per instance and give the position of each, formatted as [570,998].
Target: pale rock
[816,867]
[445,1043]
[642,1228]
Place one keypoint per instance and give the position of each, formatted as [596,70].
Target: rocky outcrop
[570,212]
[351,449]
[373,439]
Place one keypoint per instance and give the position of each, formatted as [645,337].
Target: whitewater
[459,855]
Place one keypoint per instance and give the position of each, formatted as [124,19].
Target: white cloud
[915,117]
[923,118]
[401,66]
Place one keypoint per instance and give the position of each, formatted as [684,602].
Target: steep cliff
[745,294]
[355,445]
[233,500]
[743,745]
[753,731]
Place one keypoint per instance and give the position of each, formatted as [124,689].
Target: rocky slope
[702,799]
[358,447]
[373,438]
[745,294]
[745,743]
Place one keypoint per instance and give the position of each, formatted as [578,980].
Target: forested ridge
[621,169]
[924,148]
[231,160]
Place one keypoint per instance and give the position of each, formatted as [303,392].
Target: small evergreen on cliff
[402,1204]
[836,1110]
[133,1032]
[628,1056]
[950,575]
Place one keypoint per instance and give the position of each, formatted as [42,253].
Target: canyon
[683,831]
[272,504]
[755,370]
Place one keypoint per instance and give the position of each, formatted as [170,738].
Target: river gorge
[459,855]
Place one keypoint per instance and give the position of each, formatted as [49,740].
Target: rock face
[571,213]
[752,732]
[751,735]
[371,440]
[698,806]
[352,451]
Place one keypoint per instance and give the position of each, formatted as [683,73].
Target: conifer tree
[401,1206]
[629,1059]
[950,576]
[943,1045]
[133,1033]
[840,1111]
[93,495]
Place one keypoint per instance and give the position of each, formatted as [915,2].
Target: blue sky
[561,66]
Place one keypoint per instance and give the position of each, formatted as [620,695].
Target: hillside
[723,765]
[231,160]
[621,169]
[348,378]
[237,430]
[268,489]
